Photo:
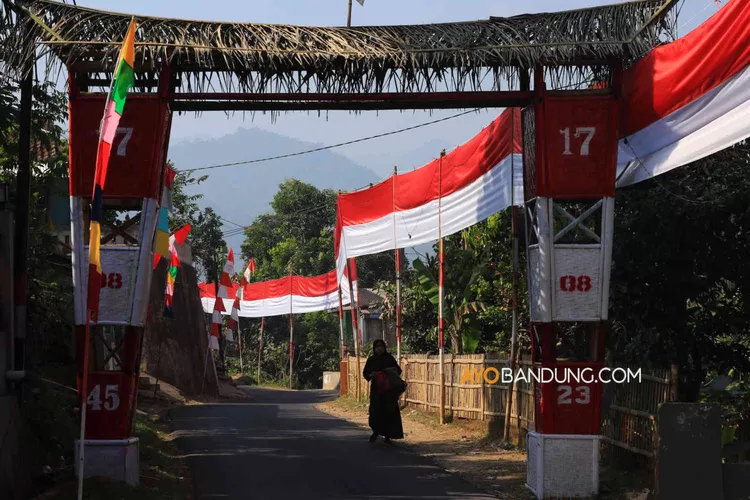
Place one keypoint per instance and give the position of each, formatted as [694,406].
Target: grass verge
[164,474]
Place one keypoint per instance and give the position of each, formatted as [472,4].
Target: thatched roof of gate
[280,58]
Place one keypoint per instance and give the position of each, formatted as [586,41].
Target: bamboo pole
[239,343]
[291,329]
[441,291]
[349,15]
[355,326]
[514,334]
[205,368]
[341,325]
[398,273]
[260,345]
[84,403]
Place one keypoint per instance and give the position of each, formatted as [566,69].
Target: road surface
[277,446]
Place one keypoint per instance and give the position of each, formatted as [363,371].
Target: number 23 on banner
[582,396]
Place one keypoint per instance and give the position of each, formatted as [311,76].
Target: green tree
[459,304]
[49,285]
[206,236]
[680,282]
[299,235]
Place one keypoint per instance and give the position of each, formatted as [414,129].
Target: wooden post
[674,376]
[483,365]
[441,267]
[349,15]
[426,382]
[514,331]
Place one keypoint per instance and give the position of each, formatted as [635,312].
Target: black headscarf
[379,362]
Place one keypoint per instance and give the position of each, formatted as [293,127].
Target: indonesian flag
[474,181]
[687,99]
[225,284]
[248,272]
[277,297]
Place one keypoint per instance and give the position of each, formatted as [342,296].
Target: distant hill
[241,193]
[420,155]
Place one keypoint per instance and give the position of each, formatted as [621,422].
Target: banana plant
[458,306]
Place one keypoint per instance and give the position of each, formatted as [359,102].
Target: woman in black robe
[385,416]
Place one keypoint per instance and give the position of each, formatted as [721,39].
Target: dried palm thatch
[279,58]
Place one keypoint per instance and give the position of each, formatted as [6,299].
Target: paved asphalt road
[277,446]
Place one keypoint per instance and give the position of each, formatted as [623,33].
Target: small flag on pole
[161,246]
[122,81]
[248,273]
[225,283]
[178,238]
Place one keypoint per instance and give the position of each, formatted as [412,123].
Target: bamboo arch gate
[208,66]
[261,67]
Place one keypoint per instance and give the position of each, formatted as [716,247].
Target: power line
[303,211]
[332,146]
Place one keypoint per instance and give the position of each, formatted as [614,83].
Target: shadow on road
[276,445]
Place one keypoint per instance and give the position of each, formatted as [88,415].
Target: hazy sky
[341,126]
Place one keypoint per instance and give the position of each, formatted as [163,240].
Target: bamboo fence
[629,422]
[466,397]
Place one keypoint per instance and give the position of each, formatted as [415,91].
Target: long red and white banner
[295,294]
[687,99]
[468,185]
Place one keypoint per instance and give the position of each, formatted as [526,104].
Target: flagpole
[262,328]
[239,342]
[441,292]
[291,327]
[84,389]
[398,273]
[341,324]
[260,345]
[514,327]
[355,325]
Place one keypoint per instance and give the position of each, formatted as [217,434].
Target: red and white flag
[225,284]
[248,272]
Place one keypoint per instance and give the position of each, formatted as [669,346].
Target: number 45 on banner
[111,399]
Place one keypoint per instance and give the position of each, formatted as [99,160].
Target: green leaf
[470,338]
[427,282]
[727,435]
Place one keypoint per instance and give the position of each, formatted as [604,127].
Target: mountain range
[241,193]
